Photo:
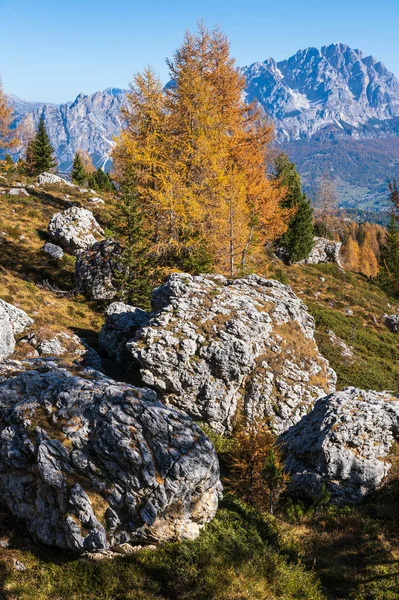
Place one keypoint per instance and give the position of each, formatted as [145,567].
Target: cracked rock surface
[90,464]
[214,346]
[344,442]
[97,270]
[74,229]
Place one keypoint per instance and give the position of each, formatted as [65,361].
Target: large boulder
[97,270]
[392,322]
[343,442]
[89,464]
[51,179]
[121,324]
[7,340]
[74,230]
[215,346]
[18,318]
[324,251]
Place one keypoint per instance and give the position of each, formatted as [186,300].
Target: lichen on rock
[90,464]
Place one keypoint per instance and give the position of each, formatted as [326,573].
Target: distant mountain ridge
[335,93]
[88,123]
[332,92]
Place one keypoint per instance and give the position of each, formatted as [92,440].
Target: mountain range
[334,110]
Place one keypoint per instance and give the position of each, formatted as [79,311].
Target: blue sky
[51,50]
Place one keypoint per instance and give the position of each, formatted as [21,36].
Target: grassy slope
[239,556]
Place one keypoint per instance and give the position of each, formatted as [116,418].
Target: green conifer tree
[388,276]
[139,273]
[79,175]
[42,151]
[297,241]
[101,181]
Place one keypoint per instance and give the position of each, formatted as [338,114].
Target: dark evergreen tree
[42,152]
[79,175]
[101,181]
[139,273]
[388,276]
[297,241]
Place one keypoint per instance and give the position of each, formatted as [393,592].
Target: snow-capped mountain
[316,96]
[89,123]
[332,92]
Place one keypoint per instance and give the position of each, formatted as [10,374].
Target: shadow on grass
[34,266]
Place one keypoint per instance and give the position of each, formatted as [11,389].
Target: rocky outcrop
[18,318]
[54,251]
[97,270]
[74,229]
[121,324]
[89,464]
[344,442]
[7,340]
[392,322]
[324,251]
[215,346]
[51,179]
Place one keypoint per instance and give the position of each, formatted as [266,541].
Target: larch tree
[368,259]
[199,155]
[326,207]
[352,255]
[8,135]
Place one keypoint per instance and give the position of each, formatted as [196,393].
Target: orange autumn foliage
[199,155]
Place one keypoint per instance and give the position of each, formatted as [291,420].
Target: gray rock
[7,340]
[91,464]
[74,229]
[52,347]
[324,251]
[344,442]
[392,322]
[18,318]
[121,324]
[51,179]
[97,269]
[215,345]
[54,251]
[18,192]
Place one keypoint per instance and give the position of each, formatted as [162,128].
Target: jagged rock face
[324,251]
[215,346]
[7,340]
[88,123]
[18,318]
[336,89]
[344,442]
[51,179]
[74,229]
[121,324]
[97,270]
[91,464]
[333,91]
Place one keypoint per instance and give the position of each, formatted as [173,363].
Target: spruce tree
[79,175]
[297,241]
[389,259]
[138,274]
[42,151]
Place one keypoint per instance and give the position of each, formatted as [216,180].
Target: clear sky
[51,50]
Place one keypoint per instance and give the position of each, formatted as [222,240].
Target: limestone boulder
[215,347]
[74,229]
[343,442]
[89,464]
[97,270]
[324,251]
